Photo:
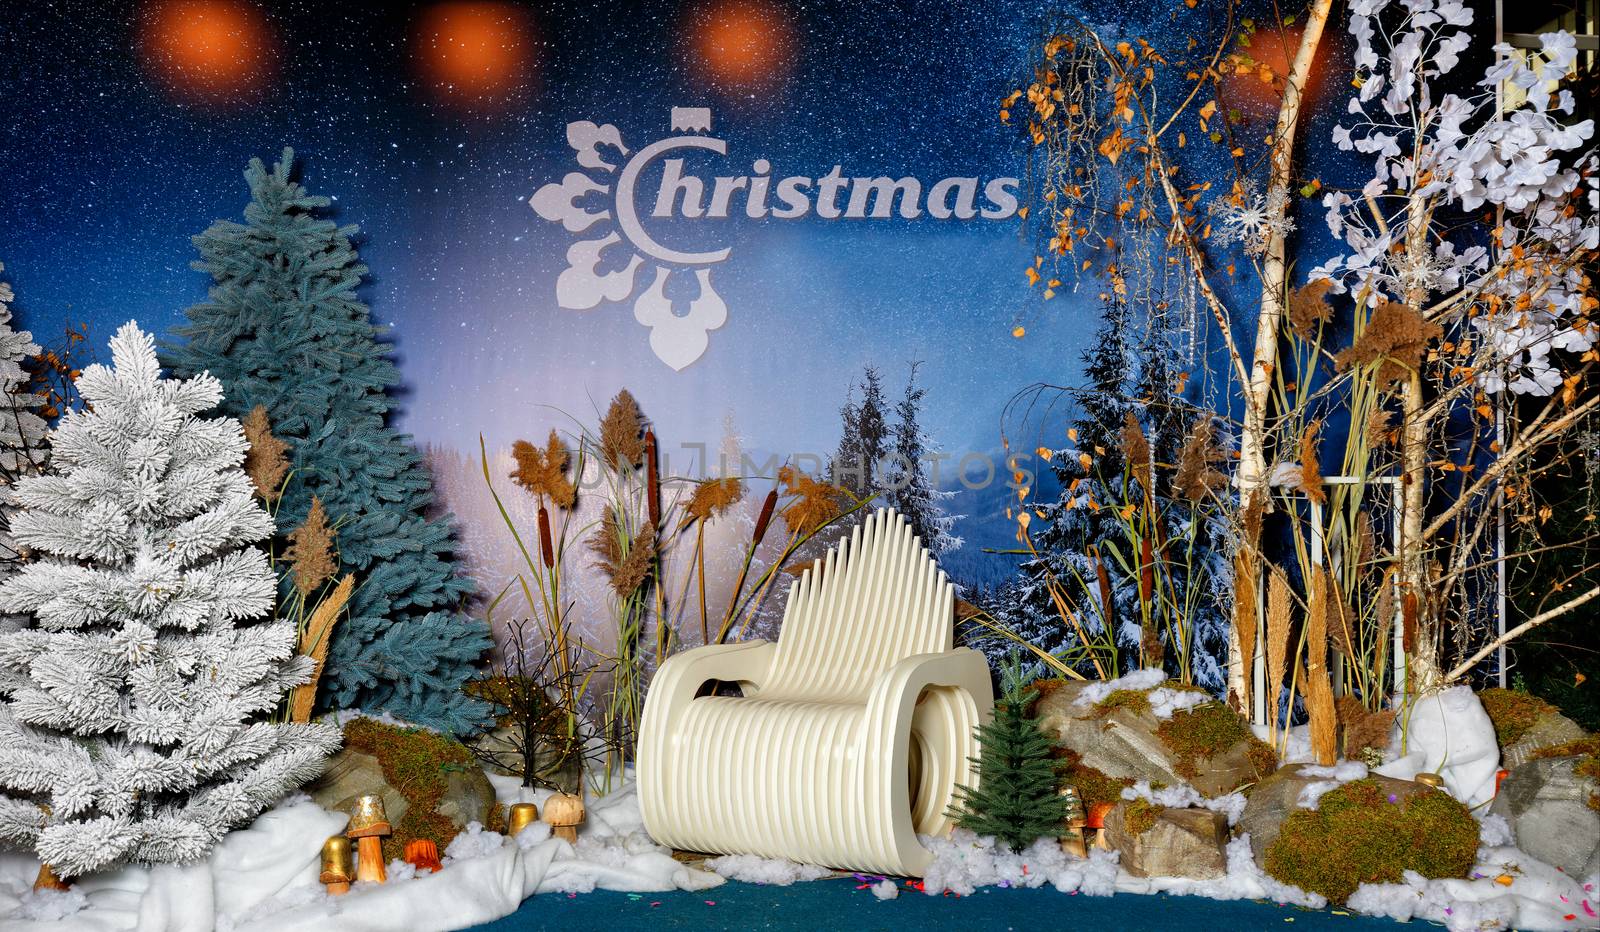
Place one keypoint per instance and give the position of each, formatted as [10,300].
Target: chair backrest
[874,600]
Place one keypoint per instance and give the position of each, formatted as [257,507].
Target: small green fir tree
[1016,799]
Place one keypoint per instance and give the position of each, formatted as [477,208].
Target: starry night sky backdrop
[113,157]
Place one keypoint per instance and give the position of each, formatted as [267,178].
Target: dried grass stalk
[1395,338]
[310,551]
[714,497]
[1279,621]
[1136,451]
[544,472]
[1310,465]
[1319,687]
[267,461]
[314,644]
[1245,569]
[1362,728]
[813,504]
[622,432]
[1308,307]
[1197,476]
[627,563]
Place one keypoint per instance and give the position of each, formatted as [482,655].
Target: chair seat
[740,754]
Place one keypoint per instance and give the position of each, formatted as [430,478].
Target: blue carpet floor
[838,904]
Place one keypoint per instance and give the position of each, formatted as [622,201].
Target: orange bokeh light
[478,55]
[1275,49]
[742,43]
[207,51]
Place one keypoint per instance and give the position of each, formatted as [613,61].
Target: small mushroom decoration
[521,816]
[564,812]
[423,854]
[1075,819]
[368,824]
[338,867]
[47,879]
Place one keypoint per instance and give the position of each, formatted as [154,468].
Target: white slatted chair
[852,731]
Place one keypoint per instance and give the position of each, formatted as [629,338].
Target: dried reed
[1319,687]
[314,644]
[266,462]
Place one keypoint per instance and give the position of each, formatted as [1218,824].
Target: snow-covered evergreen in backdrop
[22,450]
[910,489]
[864,438]
[1083,543]
[131,713]
[284,328]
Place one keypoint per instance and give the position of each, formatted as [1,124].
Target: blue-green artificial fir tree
[284,328]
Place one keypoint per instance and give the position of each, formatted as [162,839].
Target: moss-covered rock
[1372,831]
[1119,740]
[432,785]
[1512,712]
[1200,736]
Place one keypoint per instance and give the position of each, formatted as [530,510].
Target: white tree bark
[1253,474]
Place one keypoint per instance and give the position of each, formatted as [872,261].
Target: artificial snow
[49,905]
[1327,779]
[1507,889]
[885,889]
[1164,702]
[1141,680]
[1184,796]
[776,872]
[264,878]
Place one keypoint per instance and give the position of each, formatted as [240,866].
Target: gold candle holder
[1430,779]
[522,815]
[368,824]
[338,865]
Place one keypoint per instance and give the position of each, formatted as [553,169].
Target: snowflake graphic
[676,339]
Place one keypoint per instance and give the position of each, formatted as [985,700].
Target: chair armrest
[680,678]
[895,692]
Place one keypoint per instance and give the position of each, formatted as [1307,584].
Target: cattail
[547,548]
[652,479]
[764,519]
[1147,570]
[1136,450]
[1409,612]
[1278,624]
[1108,603]
[1319,687]
[1245,619]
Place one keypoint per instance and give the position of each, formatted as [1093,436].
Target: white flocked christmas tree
[133,713]
[21,431]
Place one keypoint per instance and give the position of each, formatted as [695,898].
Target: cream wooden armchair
[852,731]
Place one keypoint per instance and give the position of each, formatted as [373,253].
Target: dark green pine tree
[1016,799]
[283,327]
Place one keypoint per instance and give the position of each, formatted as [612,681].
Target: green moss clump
[1513,712]
[1093,786]
[414,762]
[1135,700]
[1356,835]
[1042,687]
[1140,816]
[1199,734]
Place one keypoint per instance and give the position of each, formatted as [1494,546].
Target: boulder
[1548,730]
[1276,797]
[1551,806]
[351,774]
[1156,841]
[468,797]
[1122,739]
[430,784]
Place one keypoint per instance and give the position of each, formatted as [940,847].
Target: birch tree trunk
[1254,493]
[1422,627]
